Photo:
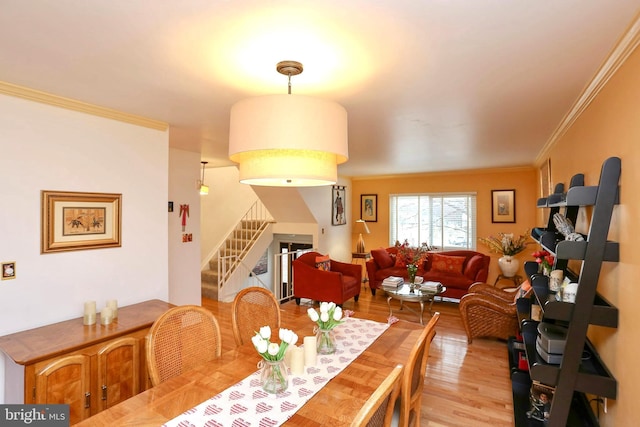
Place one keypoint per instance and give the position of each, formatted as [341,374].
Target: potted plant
[507,245]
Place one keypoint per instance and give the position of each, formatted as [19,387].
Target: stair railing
[240,240]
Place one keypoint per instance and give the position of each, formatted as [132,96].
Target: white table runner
[246,404]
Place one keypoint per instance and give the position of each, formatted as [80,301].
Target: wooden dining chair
[414,376]
[181,339]
[253,308]
[378,409]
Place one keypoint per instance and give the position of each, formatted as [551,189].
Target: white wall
[185,170]
[49,148]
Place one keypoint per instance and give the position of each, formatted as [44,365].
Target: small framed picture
[338,215]
[369,207]
[503,205]
[8,270]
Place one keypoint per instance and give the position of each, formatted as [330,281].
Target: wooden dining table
[335,404]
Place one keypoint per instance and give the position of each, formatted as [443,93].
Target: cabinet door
[66,380]
[118,372]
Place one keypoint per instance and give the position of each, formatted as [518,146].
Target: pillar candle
[113,305]
[287,355]
[297,361]
[106,316]
[89,313]
[310,351]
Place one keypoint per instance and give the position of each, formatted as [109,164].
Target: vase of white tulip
[273,371]
[330,316]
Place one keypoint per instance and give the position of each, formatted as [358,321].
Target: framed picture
[338,215]
[73,221]
[369,207]
[545,178]
[8,270]
[503,205]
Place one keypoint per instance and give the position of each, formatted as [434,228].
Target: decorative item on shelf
[361,228]
[565,227]
[508,246]
[555,280]
[287,140]
[545,261]
[273,371]
[330,316]
[89,313]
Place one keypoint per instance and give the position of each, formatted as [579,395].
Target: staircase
[238,244]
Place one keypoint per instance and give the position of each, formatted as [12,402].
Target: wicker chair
[253,308]
[414,376]
[487,311]
[378,409]
[181,339]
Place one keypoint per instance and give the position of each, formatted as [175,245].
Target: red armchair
[341,283]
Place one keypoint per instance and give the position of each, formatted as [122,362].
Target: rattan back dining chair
[378,409]
[253,308]
[181,339]
[414,375]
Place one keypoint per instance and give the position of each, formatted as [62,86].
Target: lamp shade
[288,140]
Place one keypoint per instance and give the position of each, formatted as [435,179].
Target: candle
[297,361]
[89,313]
[113,305]
[287,355]
[106,316]
[310,351]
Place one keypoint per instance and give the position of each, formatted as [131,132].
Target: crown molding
[619,54]
[83,107]
[499,170]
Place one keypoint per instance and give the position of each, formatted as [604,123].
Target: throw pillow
[323,263]
[473,266]
[382,258]
[447,263]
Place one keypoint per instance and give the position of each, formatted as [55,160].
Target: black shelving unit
[581,370]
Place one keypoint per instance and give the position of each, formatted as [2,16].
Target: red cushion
[382,258]
[323,263]
[447,263]
[473,266]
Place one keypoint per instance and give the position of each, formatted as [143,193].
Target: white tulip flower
[324,307]
[294,339]
[285,334]
[256,339]
[273,349]
[324,316]
[337,314]
[332,305]
[265,332]
[262,346]
[313,315]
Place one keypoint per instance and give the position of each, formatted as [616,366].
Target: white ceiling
[428,85]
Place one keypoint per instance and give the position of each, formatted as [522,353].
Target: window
[445,220]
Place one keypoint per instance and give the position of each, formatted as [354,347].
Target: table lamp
[360,228]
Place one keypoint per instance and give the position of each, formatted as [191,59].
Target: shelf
[593,376]
[603,313]
[580,414]
[554,243]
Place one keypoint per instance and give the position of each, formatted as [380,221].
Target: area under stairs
[230,256]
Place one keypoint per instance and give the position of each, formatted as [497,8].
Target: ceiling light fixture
[288,140]
[204,190]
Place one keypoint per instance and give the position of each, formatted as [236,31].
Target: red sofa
[342,282]
[455,273]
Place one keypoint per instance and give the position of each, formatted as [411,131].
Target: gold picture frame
[75,221]
[369,207]
[503,205]
[545,179]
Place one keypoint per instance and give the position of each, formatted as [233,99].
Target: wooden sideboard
[90,368]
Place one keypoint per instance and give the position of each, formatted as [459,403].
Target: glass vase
[273,376]
[411,273]
[325,341]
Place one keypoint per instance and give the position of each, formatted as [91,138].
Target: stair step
[209,291]
[209,276]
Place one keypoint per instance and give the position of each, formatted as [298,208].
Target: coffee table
[405,293]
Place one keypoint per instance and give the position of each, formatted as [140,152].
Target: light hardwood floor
[466,385]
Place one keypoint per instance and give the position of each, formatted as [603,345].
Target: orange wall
[610,126]
[522,179]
